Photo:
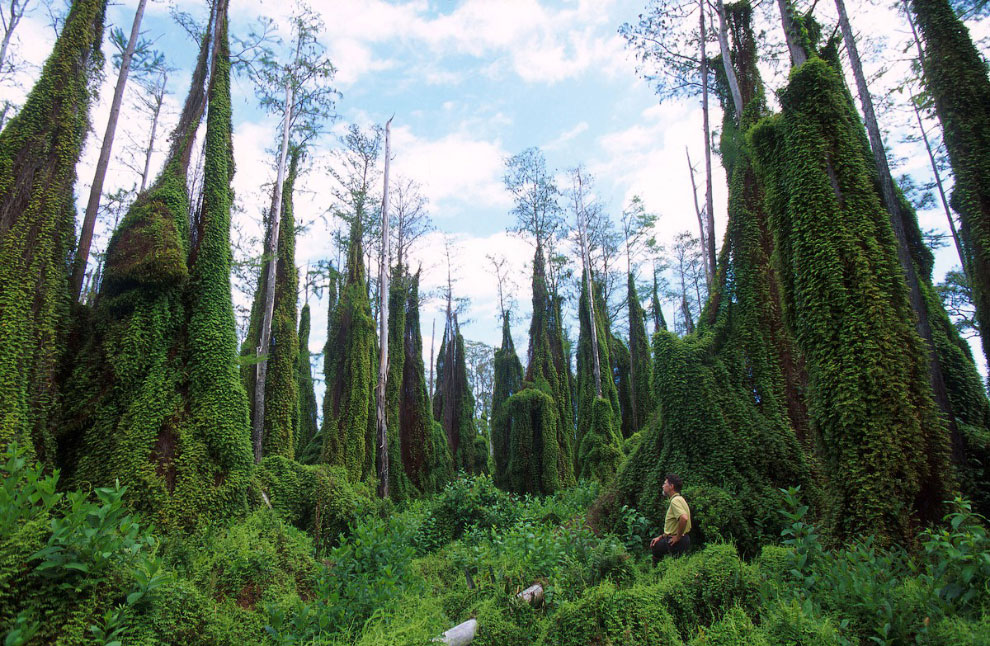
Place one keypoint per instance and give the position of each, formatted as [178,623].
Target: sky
[470,83]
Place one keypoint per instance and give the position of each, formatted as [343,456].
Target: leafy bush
[609,616]
[959,559]
[735,627]
[465,502]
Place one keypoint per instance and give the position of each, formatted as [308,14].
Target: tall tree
[307,425]
[381,422]
[307,103]
[956,77]
[351,362]
[453,403]
[508,381]
[155,399]
[96,188]
[39,149]
[279,428]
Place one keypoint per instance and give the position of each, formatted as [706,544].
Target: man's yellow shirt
[677,507]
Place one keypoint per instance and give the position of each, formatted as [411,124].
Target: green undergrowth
[78,567]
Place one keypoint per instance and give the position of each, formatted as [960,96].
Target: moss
[846,301]
[609,616]
[307,422]
[350,372]
[507,382]
[39,149]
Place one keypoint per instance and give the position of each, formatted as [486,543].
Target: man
[676,524]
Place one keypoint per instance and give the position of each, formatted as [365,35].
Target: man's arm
[681,526]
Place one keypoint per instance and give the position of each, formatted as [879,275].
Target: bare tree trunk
[159,101]
[798,55]
[381,422]
[730,71]
[709,199]
[16,13]
[433,341]
[701,219]
[591,314]
[96,190]
[897,222]
[271,251]
[941,193]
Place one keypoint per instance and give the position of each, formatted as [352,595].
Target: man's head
[671,485]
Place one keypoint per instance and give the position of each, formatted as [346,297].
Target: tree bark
[897,222]
[941,194]
[433,341]
[96,190]
[709,200]
[381,422]
[258,421]
[730,71]
[798,55]
[701,219]
[159,100]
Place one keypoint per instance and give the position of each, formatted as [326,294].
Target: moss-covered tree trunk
[39,149]
[453,404]
[426,457]
[156,401]
[598,417]
[884,444]
[507,382]
[307,423]
[640,365]
[281,389]
[956,77]
[400,487]
[351,365]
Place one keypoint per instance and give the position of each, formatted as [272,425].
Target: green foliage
[549,371]
[453,403]
[959,554]
[318,499]
[532,415]
[641,368]
[307,424]
[598,414]
[735,627]
[39,149]
[155,399]
[846,301]
[350,372]
[610,616]
[399,484]
[423,443]
[508,381]
[282,396]
[465,502]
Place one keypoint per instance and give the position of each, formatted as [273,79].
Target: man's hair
[674,481]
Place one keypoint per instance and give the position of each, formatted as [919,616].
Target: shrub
[608,616]
[788,622]
[466,502]
[734,628]
[959,559]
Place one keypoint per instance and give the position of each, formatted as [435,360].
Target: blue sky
[471,83]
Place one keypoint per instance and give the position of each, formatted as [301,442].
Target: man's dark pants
[663,547]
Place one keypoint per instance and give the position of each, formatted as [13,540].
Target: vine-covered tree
[39,149]
[156,400]
[307,426]
[453,403]
[508,381]
[279,427]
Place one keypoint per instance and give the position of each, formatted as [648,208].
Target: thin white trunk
[701,219]
[730,72]
[271,252]
[159,100]
[709,199]
[96,190]
[382,422]
[16,13]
